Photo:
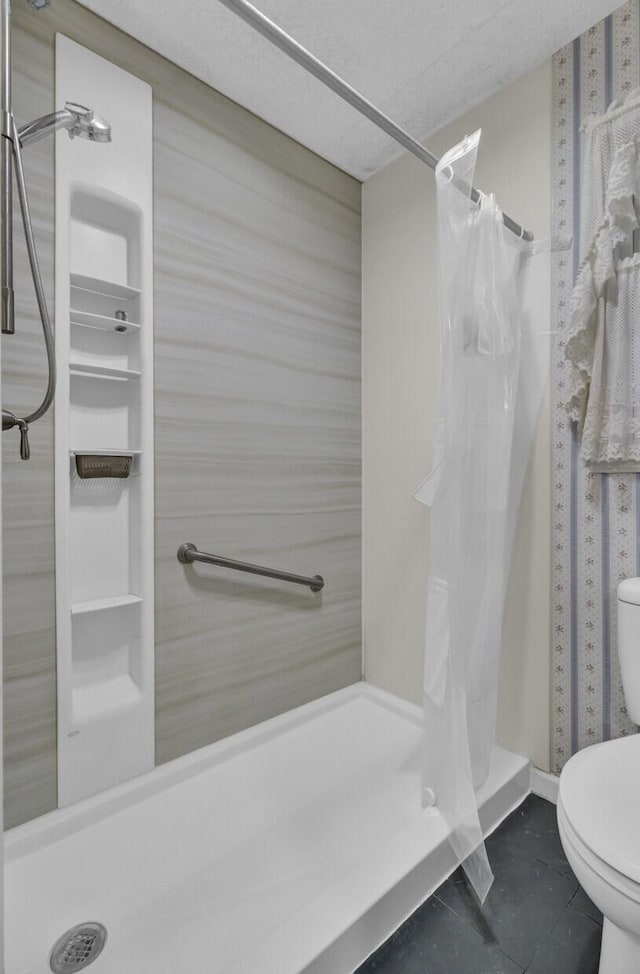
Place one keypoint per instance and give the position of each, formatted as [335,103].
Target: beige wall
[400,370]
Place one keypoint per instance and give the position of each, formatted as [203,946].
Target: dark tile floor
[536,918]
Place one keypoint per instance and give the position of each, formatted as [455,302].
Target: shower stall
[297,845]
[197,773]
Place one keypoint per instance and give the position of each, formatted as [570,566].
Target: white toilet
[599,810]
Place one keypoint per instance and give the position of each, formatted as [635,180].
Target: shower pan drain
[77,948]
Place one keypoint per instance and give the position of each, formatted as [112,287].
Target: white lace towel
[611,429]
[603,341]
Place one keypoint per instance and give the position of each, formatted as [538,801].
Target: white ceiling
[423,62]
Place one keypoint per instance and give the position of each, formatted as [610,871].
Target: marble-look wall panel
[257,434]
[27,487]
[257,405]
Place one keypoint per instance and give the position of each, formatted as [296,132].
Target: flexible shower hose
[24,422]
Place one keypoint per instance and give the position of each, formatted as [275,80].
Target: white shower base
[297,845]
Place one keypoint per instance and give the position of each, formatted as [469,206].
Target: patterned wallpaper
[596,518]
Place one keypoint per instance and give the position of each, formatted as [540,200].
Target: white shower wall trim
[295,846]
[104,405]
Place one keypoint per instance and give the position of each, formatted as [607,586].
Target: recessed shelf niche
[103,415]
[104,407]
[106,664]
[103,349]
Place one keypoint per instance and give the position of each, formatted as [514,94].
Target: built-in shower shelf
[102,322]
[99,605]
[105,453]
[98,286]
[104,434]
[103,371]
[117,693]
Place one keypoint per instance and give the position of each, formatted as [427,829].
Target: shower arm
[42,127]
[76,119]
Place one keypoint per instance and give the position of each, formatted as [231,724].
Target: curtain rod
[252,16]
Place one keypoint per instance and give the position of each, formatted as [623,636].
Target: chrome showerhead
[76,119]
[87,124]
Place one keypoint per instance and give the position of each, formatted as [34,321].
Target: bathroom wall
[257,410]
[401,370]
[596,518]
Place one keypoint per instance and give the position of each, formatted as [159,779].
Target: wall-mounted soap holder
[91,466]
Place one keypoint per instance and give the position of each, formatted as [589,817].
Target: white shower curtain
[473,491]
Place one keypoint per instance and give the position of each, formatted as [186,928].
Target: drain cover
[77,948]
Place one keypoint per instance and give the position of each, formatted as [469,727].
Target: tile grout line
[472,927]
[556,924]
[535,825]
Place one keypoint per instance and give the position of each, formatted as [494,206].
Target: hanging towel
[603,342]
[611,429]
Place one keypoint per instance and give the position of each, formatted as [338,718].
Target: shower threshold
[296,846]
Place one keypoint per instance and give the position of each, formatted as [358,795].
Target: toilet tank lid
[629,591]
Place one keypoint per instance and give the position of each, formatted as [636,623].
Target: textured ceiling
[423,62]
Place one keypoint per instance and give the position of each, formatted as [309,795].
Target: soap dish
[90,466]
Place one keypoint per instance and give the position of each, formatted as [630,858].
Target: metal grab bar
[188,553]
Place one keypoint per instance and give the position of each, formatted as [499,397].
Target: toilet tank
[629,643]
